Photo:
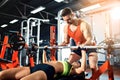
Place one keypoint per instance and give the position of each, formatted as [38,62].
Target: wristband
[45,48]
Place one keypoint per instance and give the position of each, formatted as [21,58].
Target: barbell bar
[116,46]
[71,47]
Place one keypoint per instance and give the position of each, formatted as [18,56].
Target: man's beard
[69,21]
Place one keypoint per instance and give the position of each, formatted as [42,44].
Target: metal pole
[23,34]
[59,35]
[38,39]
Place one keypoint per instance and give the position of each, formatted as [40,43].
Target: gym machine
[16,43]
[30,30]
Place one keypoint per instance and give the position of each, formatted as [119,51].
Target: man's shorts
[78,51]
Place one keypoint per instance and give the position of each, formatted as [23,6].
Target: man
[46,71]
[80,32]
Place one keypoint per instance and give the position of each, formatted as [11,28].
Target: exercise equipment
[70,47]
[117,46]
[31,51]
[15,42]
[75,47]
[14,62]
[5,61]
[30,29]
[52,43]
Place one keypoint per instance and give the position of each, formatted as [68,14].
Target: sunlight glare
[115,13]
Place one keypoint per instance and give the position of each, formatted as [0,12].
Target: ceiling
[20,9]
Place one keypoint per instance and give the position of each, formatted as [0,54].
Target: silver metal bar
[71,47]
[116,46]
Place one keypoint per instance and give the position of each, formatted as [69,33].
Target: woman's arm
[83,63]
[44,57]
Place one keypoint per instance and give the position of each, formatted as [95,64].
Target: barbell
[15,42]
[116,46]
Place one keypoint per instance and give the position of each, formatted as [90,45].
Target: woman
[46,71]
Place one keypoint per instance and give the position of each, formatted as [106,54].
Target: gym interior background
[16,15]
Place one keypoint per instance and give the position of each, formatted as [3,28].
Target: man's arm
[87,33]
[66,37]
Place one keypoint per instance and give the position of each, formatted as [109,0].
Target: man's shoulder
[84,23]
[66,26]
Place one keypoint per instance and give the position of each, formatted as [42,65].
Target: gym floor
[104,76]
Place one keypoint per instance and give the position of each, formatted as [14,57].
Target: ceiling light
[37,9]
[56,18]
[90,7]
[59,1]
[4,25]
[13,21]
[45,20]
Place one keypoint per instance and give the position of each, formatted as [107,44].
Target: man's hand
[63,44]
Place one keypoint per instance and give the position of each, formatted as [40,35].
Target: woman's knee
[22,73]
[2,75]
[93,60]
[93,56]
